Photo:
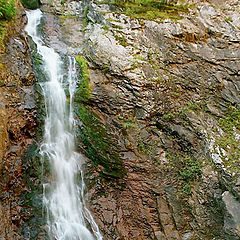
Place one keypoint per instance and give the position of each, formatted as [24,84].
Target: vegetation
[129,123]
[122,40]
[7,12]
[84,89]
[189,170]
[31,4]
[2,35]
[229,141]
[85,13]
[150,9]
[98,145]
[196,107]
[231,119]
[7,9]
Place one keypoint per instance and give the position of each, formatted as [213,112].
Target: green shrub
[31,4]
[7,9]
[190,169]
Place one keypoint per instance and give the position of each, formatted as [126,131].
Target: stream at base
[63,197]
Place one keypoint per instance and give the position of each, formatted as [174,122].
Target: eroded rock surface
[166,93]
[162,91]
[161,128]
[17,122]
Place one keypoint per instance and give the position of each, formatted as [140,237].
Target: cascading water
[63,197]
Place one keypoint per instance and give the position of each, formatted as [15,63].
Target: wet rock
[232,215]
[161,92]
[17,123]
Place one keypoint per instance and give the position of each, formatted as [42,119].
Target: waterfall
[63,195]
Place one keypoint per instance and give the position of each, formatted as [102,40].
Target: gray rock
[232,214]
[187,236]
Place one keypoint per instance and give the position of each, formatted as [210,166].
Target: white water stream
[63,197]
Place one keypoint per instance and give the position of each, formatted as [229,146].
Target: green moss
[2,34]
[228,19]
[98,145]
[31,198]
[190,169]
[83,93]
[85,18]
[105,27]
[195,107]
[130,122]
[150,9]
[157,79]
[145,148]
[7,12]
[117,26]
[122,40]
[231,119]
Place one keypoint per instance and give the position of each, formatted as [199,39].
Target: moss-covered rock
[151,9]
[98,145]
[31,4]
[84,88]
[32,209]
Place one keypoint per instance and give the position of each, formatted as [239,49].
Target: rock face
[232,217]
[160,128]
[165,100]
[17,122]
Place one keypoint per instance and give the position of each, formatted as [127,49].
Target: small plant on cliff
[84,89]
[228,142]
[189,172]
[7,9]
[188,168]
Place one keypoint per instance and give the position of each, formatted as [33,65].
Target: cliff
[162,123]
[17,118]
[158,114]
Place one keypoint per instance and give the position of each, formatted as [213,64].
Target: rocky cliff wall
[162,123]
[159,122]
[17,120]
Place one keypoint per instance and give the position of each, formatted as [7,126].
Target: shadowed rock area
[17,121]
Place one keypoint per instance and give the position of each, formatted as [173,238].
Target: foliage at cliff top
[31,4]
[150,9]
[7,12]
[7,9]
